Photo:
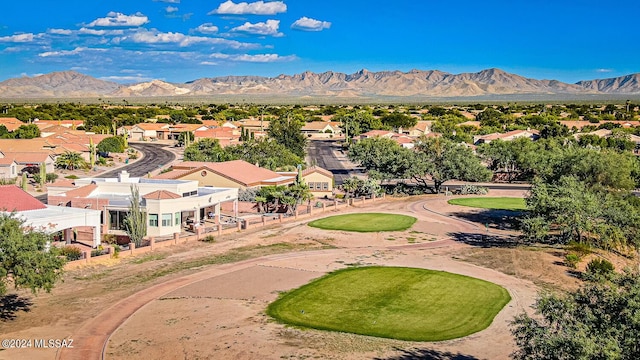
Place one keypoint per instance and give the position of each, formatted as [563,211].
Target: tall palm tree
[70,160]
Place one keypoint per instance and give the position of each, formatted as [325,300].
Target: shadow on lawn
[494,219]
[486,240]
[428,354]
[11,304]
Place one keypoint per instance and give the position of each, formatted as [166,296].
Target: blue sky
[181,40]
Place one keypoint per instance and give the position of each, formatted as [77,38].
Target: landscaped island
[393,302]
[365,222]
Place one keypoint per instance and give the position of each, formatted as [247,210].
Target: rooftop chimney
[123,176]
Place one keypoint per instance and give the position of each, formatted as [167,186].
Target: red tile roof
[238,171]
[161,195]
[28,157]
[82,192]
[12,198]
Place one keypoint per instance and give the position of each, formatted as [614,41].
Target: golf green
[393,302]
[494,203]
[365,222]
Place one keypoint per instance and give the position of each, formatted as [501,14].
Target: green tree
[135,223]
[439,160]
[206,150]
[264,152]
[397,120]
[30,131]
[598,321]
[25,261]
[286,130]
[70,160]
[112,144]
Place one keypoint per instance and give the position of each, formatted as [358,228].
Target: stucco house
[49,218]
[168,204]
[8,169]
[237,174]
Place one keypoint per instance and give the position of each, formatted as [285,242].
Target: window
[177,221]
[166,219]
[311,185]
[325,186]
[153,220]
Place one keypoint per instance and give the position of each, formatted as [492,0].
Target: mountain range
[362,84]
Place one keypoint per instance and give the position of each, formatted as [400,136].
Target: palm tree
[70,160]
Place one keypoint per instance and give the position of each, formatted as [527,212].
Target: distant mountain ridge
[364,83]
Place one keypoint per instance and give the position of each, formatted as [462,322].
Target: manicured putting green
[393,302]
[494,203]
[365,222]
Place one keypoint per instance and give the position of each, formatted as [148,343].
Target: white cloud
[207,28]
[87,31]
[19,38]
[60,31]
[209,63]
[255,8]
[258,58]
[155,37]
[270,27]
[168,1]
[308,24]
[115,19]
[171,9]
[604,70]
[75,51]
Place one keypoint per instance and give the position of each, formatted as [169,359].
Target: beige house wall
[314,178]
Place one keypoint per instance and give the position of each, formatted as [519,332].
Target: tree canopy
[432,162]
[598,321]
[25,261]
[264,152]
[286,130]
[114,144]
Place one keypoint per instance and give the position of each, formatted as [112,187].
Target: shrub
[111,144]
[473,190]
[116,251]
[209,239]
[5,181]
[598,269]
[72,177]
[72,253]
[51,177]
[571,260]
[580,249]
[248,194]
[109,238]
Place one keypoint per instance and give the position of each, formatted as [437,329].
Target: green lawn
[495,203]
[393,302]
[365,222]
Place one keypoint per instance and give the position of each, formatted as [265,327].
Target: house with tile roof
[508,136]
[321,128]
[377,133]
[237,174]
[320,181]
[48,218]
[31,159]
[421,128]
[8,169]
[168,203]
[12,124]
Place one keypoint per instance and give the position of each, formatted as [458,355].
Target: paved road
[323,153]
[154,157]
